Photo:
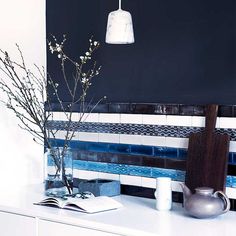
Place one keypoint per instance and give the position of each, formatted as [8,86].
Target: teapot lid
[204,190]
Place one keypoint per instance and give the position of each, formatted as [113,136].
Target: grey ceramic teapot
[204,203]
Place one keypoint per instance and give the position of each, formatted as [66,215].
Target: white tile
[231,192]
[56,115]
[177,142]
[228,122]
[198,121]
[76,173]
[85,174]
[92,137]
[178,120]
[149,182]
[131,180]
[108,138]
[89,117]
[109,118]
[154,119]
[218,122]
[62,116]
[175,186]
[76,136]
[153,140]
[103,175]
[130,139]
[131,119]
[232,146]
[60,134]
[66,116]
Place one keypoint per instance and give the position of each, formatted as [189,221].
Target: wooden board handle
[211,115]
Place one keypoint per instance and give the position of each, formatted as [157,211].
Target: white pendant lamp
[119,27]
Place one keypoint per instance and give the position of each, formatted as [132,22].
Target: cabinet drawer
[17,225]
[52,228]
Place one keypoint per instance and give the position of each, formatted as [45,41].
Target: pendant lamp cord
[120,4]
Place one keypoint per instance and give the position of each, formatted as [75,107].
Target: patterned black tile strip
[150,108]
[135,129]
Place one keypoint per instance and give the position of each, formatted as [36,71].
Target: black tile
[147,193]
[87,156]
[231,170]
[101,108]
[175,164]
[225,111]
[108,157]
[160,109]
[171,109]
[130,159]
[232,204]
[142,108]
[234,110]
[186,110]
[198,110]
[119,107]
[153,162]
[137,191]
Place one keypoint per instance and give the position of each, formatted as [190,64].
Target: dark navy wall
[184,50]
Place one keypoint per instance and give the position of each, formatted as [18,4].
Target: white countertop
[137,217]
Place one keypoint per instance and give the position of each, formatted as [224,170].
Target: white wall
[21,22]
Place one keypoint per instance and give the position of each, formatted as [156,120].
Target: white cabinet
[17,225]
[52,228]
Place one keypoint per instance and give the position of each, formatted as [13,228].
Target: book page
[92,205]
[51,201]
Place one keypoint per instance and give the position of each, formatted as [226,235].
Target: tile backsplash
[137,148]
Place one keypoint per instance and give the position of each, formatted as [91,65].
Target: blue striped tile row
[150,172]
[165,152]
[121,169]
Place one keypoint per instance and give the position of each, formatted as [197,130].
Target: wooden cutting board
[207,158]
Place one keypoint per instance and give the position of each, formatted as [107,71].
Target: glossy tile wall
[136,148]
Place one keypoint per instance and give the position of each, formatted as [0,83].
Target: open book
[89,205]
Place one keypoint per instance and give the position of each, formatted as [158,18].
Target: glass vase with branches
[28,91]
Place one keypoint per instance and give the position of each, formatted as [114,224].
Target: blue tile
[117,169]
[160,151]
[173,174]
[139,171]
[82,145]
[171,152]
[231,181]
[179,175]
[97,166]
[230,159]
[234,158]
[80,165]
[119,148]
[141,150]
[182,153]
[98,147]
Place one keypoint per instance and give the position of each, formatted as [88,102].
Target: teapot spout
[186,191]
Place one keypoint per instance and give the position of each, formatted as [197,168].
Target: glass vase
[58,172]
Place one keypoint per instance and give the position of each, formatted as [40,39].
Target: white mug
[163,193]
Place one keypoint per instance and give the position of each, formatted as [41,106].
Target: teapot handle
[224,198]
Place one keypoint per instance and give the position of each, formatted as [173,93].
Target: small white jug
[163,194]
